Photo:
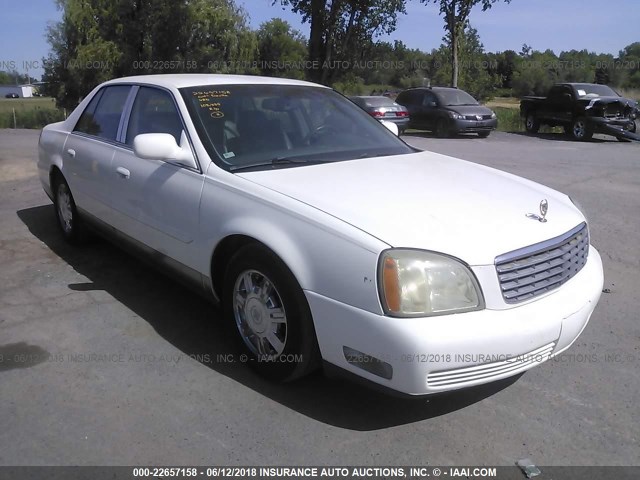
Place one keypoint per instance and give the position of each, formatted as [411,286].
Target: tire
[442,129]
[68,220]
[484,134]
[581,130]
[269,316]
[531,123]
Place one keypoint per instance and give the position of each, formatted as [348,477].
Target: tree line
[97,40]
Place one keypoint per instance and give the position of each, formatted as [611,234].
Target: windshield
[269,126]
[587,90]
[455,97]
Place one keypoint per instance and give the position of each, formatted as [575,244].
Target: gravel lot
[157,391]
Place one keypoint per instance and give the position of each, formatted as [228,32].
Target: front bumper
[473,126]
[611,126]
[436,354]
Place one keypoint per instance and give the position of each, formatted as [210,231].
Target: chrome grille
[538,269]
[475,117]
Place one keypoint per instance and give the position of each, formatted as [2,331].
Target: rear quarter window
[102,116]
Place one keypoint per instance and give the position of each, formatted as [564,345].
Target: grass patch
[509,119]
[632,93]
[504,102]
[29,112]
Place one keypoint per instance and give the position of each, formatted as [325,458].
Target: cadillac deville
[326,239]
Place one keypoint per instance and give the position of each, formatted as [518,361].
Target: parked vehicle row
[327,239]
[444,111]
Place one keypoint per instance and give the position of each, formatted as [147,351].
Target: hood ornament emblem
[544,208]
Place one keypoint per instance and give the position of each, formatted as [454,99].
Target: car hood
[470,109]
[429,201]
[623,103]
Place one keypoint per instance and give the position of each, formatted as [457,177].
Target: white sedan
[326,238]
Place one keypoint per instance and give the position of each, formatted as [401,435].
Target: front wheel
[581,130]
[267,310]
[442,129]
[484,134]
[69,221]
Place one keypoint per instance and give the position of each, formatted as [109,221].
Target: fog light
[367,362]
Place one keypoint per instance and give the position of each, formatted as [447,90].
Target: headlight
[455,115]
[416,283]
[493,115]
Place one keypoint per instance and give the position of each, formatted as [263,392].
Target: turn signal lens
[391,285]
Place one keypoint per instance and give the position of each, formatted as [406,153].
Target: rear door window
[102,116]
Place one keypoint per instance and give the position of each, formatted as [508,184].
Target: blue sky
[596,25]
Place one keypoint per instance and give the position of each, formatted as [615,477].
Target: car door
[411,99]
[89,150]
[430,110]
[156,202]
[553,105]
[565,105]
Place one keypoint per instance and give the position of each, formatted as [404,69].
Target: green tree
[536,73]
[341,29]
[456,15]
[629,63]
[473,65]
[101,39]
[13,78]
[506,64]
[283,49]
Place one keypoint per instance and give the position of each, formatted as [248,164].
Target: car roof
[369,97]
[182,80]
[435,89]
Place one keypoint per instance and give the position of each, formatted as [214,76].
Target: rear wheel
[267,310]
[531,123]
[69,221]
[581,130]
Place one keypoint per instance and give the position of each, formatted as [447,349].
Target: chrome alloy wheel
[531,121]
[579,129]
[259,314]
[65,210]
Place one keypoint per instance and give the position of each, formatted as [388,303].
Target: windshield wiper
[292,160]
[373,155]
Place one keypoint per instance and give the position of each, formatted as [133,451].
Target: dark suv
[447,111]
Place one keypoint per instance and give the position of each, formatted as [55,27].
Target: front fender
[326,255]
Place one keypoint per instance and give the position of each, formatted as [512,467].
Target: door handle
[71,152]
[123,172]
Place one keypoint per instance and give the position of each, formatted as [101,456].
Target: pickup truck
[582,109]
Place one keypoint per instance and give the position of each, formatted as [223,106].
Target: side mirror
[163,146]
[567,97]
[391,126]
